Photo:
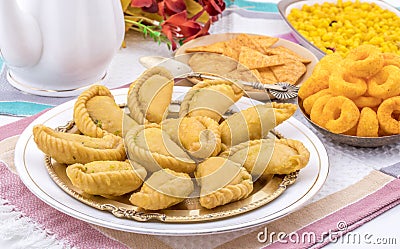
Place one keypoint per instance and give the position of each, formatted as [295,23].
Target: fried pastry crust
[210,98]
[254,122]
[96,113]
[199,136]
[112,178]
[153,148]
[269,156]
[222,181]
[151,95]
[163,189]
[73,148]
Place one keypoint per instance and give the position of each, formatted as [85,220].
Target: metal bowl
[368,142]
[286,6]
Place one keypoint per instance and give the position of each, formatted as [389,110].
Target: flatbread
[290,72]
[267,76]
[286,53]
[218,47]
[262,43]
[254,59]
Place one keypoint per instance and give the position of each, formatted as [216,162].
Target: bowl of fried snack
[328,26]
[355,99]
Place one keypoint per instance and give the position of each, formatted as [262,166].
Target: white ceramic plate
[29,161]
[286,6]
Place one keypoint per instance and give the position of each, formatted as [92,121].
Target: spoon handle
[254,85]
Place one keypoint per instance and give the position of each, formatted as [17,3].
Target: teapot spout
[20,35]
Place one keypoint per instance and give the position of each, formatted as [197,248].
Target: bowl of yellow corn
[337,26]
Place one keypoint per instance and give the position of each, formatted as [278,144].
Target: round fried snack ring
[318,81]
[391,59]
[316,112]
[352,131]
[329,62]
[387,122]
[342,114]
[364,61]
[368,124]
[343,83]
[386,83]
[309,101]
[367,101]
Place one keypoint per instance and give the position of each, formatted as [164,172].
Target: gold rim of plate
[190,210]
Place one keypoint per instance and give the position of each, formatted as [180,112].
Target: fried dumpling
[210,98]
[151,95]
[96,113]
[153,148]
[112,178]
[254,122]
[199,136]
[74,148]
[222,181]
[127,124]
[269,156]
[163,189]
[253,155]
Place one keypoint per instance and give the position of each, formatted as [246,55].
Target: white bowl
[286,6]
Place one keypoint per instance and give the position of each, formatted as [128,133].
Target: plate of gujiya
[175,160]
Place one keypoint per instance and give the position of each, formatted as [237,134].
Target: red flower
[179,26]
[213,7]
[146,5]
[171,7]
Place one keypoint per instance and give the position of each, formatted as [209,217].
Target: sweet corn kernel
[346,24]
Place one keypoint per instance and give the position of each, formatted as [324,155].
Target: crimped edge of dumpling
[81,115]
[229,193]
[70,151]
[185,105]
[143,156]
[104,182]
[150,199]
[135,106]
[300,160]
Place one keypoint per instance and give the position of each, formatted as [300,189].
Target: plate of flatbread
[249,57]
[35,174]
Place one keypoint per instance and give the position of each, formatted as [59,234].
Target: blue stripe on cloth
[19,108]
[254,6]
[265,6]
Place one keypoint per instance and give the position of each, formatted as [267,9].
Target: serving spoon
[280,90]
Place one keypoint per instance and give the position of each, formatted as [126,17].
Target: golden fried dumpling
[200,136]
[163,189]
[254,155]
[112,178]
[210,98]
[151,95]
[254,122]
[222,181]
[153,148]
[270,156]
[127,124]
[73,148]
[96,113]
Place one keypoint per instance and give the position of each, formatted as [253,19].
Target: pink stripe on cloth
[17,127]
[77,233]
[332,227]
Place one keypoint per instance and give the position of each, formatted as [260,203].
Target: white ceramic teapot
[59,47]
